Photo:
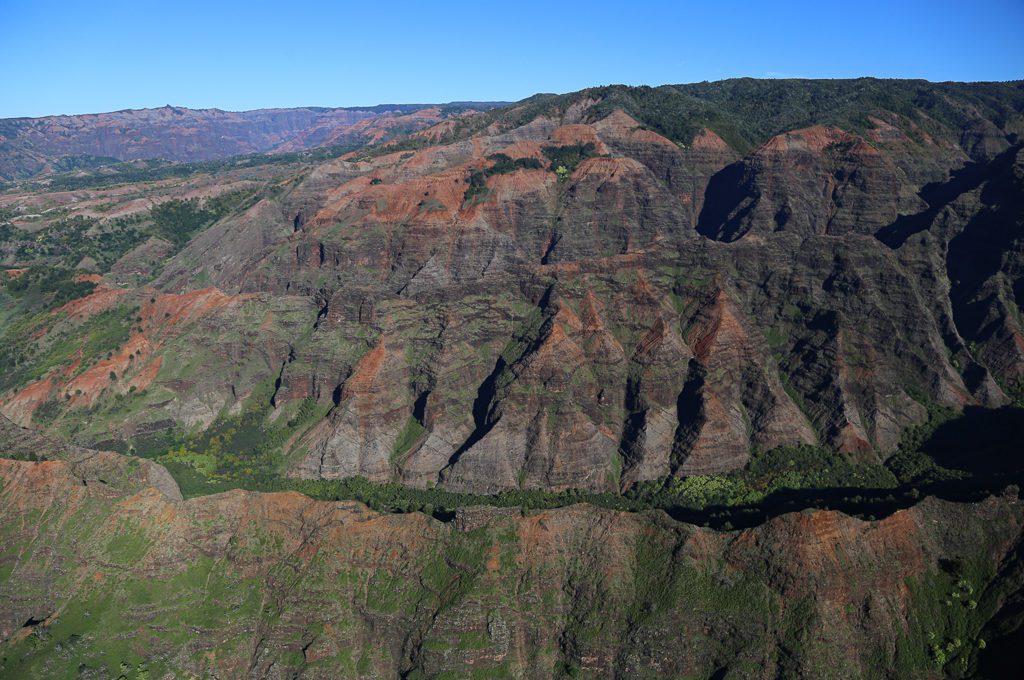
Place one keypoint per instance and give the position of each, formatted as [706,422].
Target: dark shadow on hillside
[987,444]
[859,502]
[721,218]
[981,441]
[938,195]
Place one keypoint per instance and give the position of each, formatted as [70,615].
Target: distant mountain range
[29,146]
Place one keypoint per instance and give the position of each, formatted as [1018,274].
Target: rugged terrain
[724,300]
[448,309]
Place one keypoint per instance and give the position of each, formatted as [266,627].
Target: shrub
[569,156]
[501,164]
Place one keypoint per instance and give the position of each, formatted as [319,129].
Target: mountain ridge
[29,146]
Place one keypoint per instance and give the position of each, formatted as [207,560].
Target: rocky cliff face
[103,577]
[557,295]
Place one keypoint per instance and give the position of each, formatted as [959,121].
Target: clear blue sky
[104,55]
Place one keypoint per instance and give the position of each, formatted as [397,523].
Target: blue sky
[80,57]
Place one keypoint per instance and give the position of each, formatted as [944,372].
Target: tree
[562,173]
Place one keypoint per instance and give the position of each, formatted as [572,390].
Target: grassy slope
[118,599]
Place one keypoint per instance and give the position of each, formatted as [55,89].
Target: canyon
[760,286]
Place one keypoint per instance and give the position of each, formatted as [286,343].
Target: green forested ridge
[747,112]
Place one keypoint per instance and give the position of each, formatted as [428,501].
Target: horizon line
[494,102]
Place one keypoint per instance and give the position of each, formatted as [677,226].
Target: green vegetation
[24,356]
[776,337]
[42,287]
[34,340]
[568,156]
[501,165]
[178,221]
[245,451]
[237,451]
[69,241]
[309,411]
[412,431]
[233,448]
[946,607]
[504,165]
[746,112]
[910,463]
[55,253]
[780,470]
[771,475]
[156,170]
[946,620]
